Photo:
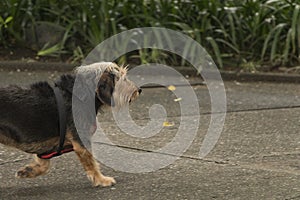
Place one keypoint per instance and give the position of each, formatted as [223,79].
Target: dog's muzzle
[135,95]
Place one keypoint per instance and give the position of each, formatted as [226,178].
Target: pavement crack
[263,109]
[253,166]
[221,162]
[275,154]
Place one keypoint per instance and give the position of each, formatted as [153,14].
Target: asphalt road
[256,157]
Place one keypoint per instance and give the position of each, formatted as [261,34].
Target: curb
[226,75]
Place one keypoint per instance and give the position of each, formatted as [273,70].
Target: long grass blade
[275,41]
[216,50]
[287,46]
[295,22]
[269,37]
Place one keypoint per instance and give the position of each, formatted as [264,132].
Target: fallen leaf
[171,88]
[168,124]
[178,99]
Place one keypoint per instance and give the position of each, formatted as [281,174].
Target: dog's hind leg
[91,166]
[36,168]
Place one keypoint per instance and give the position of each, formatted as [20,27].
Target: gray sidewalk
[256,157]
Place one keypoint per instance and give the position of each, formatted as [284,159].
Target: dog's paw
[107,181]
[103,181]
[25,172]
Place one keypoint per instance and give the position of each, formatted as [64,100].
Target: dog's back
[27,115]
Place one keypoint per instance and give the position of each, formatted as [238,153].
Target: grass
[235,33]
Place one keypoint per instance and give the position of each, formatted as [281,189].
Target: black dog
[29,117]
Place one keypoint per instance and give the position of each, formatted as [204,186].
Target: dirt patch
[26,54]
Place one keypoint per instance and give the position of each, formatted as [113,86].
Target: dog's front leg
[36,168]
[91,166]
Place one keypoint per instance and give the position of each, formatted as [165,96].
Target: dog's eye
[112,76]
[102,86]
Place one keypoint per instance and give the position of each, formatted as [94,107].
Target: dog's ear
[105,88]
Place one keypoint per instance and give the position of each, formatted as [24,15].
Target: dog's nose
[140,90]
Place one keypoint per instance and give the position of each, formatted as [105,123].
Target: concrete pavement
[256,157]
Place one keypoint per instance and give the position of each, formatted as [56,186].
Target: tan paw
[25,172]
[107,181]
[104,181]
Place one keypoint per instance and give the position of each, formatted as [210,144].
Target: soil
[26,54]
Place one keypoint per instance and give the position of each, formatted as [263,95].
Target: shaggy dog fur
[29,118]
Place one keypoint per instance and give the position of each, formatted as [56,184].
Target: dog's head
[114,88]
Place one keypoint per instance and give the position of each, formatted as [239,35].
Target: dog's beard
[125,92]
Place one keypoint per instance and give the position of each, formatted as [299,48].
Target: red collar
[52,154]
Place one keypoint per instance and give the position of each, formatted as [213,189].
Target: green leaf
[48,51]
[232,28]
[229,45]
[275,41]
[8,19]
[295,22]
[186,50]
[287,46]
[216,50]
[269,37]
